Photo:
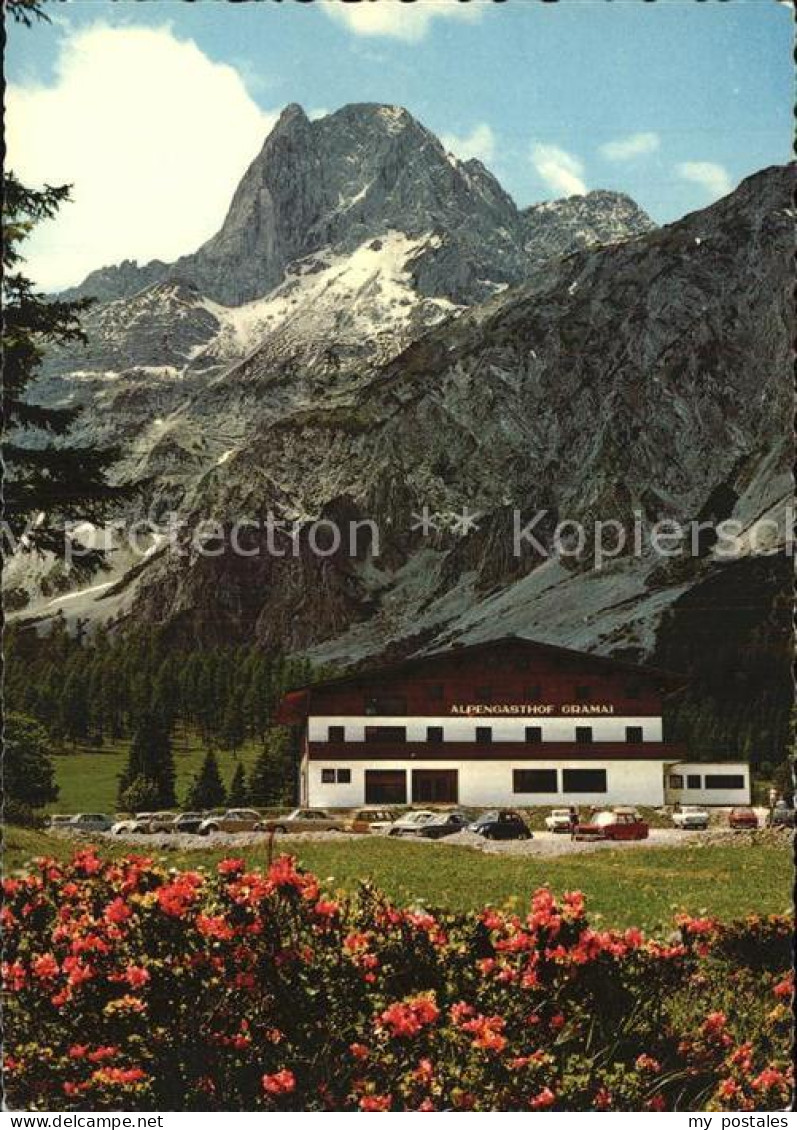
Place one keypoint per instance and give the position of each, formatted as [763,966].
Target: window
[534,781]
[693,781]
[435,691]
[583,693]
[634,734]
[584,734]
[434,734]
[435,786]
[534,733]
[724,781]
[676,781]
[484,734]
[386,704]
[533,693]
[385,733]
[484,693]
[336,776]
[583,780]
[336,734]
[385,786]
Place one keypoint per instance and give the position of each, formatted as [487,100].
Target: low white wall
[485,784]
[604,729]
[704,795]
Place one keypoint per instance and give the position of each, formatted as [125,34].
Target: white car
[132,824]
[90,822]
[559,820]
[691,817]
[408,824]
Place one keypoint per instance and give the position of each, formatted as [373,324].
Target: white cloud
[153,136]
[560,170]
[712,177]
[480,142]
[635,145]
[397,20]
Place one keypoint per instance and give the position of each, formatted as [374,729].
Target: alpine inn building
[509,722]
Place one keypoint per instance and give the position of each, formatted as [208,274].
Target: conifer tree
[272,780]
[28,777]
[48,478]
[239,788]
[151,757]
[207,788]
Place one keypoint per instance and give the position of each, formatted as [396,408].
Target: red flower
[728,1089]
[603,1099]
[123,1076]
[408,1018]
[230,866]
[487,1032]
[424,1072]
[770,1077]
[282,1083]
[117,911]
[647,1063]
[359,1051]
[714,1024]
[785,988]
[544,1099]
[376,1102]
[101,1053]
[45,967]
[136,976]
[214,927]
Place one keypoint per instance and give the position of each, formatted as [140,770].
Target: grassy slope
[87,778]
[631,886]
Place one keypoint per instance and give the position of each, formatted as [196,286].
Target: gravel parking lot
[543,843]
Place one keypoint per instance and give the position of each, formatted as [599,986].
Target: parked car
[373,821]
[501,824]
[90,822]
[58,820]
[559,820]
[188,822]
[159,822]
[782,816]
[613,824]
[690,817]
[409,823]
[740,818]
[443,824]
[233,820]
[303,820]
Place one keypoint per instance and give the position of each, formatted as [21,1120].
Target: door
[385,786]
[435,786]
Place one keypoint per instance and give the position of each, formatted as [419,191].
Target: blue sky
[673,102]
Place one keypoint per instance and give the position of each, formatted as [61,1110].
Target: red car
[742,818]
[621,824]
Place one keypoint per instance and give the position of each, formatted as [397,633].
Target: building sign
[528,709]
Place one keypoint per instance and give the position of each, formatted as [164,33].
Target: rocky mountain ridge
[351,176]
[567,359]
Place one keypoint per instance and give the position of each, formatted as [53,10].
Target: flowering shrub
[132,987]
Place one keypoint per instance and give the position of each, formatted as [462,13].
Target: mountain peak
[358,173]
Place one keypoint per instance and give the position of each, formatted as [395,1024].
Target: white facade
[340,781]
[490,783]
[463,729]
[697,782]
